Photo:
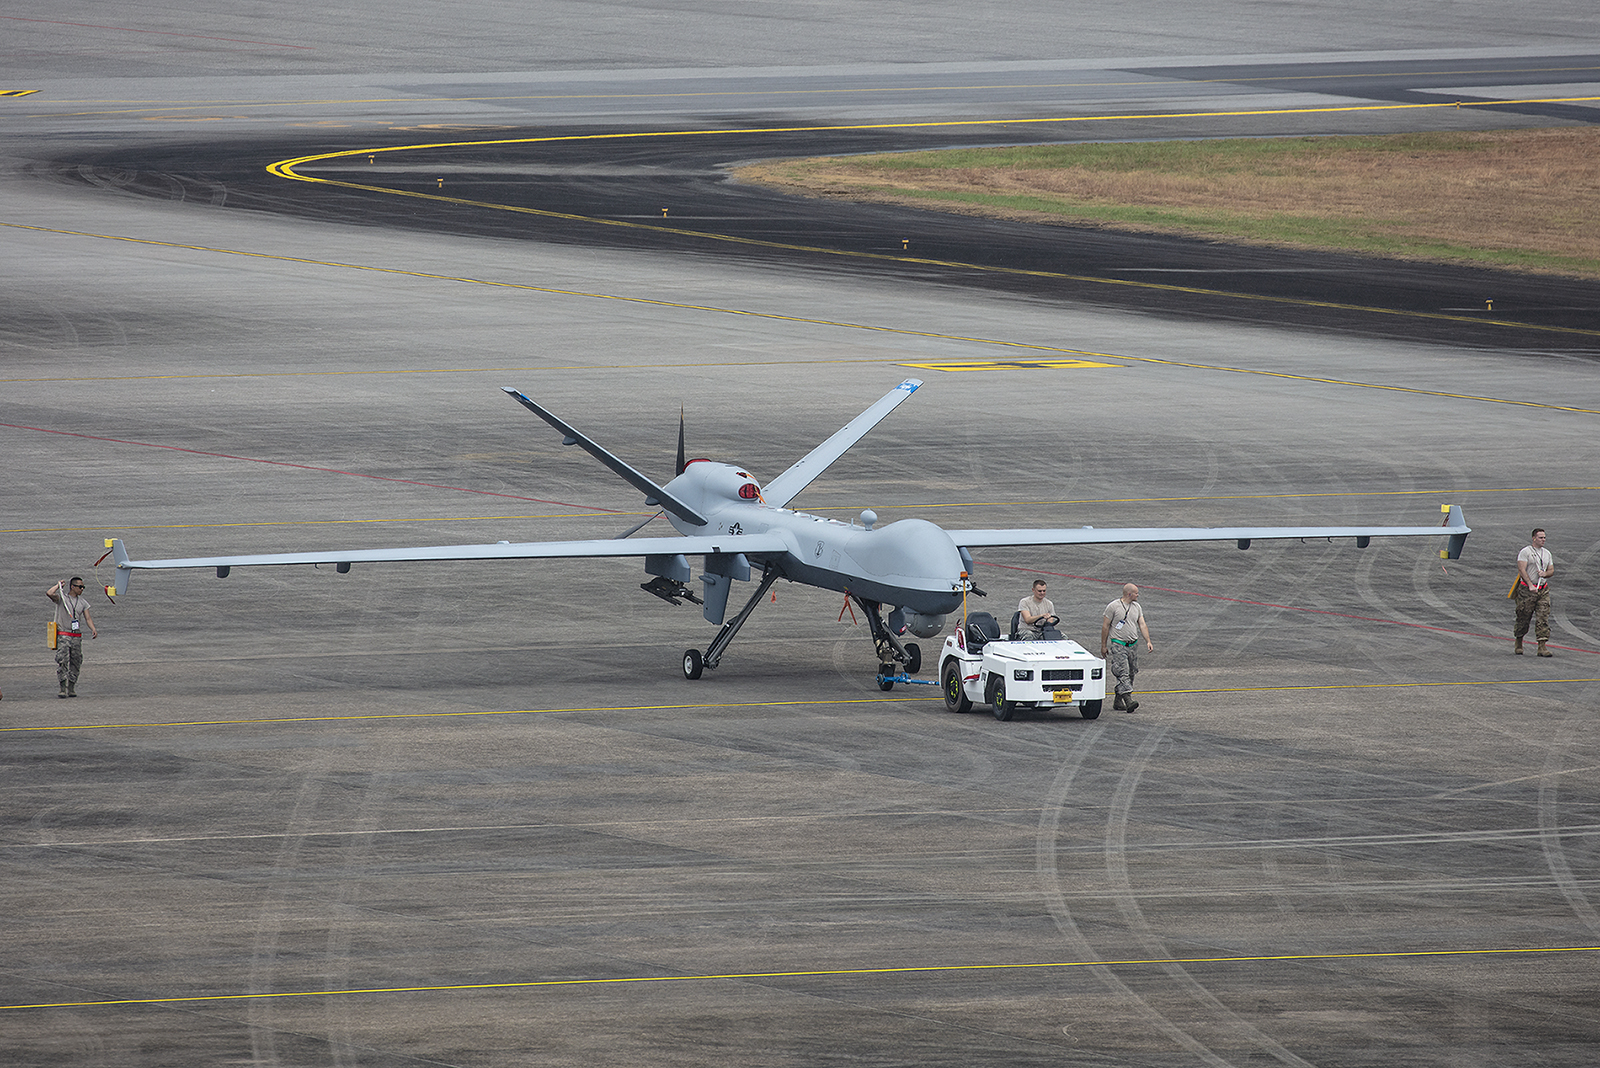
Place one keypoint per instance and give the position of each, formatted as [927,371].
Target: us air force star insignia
[737,528]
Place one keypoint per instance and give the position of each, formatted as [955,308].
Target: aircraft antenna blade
[631,531]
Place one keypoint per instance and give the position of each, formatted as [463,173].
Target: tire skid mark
[1266,572]
[1341,800]
[1127,903]
[343,904]
[1555,854]
[1050,820]
[1582,564]
[1374,646]
[275,911]
[1273,881]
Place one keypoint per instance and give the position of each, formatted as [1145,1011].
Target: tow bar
[886,682]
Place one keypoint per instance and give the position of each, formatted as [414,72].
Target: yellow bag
[50,634]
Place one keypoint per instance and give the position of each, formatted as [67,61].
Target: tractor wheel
[955,692]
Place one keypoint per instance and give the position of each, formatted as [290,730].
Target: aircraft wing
[504,550]
[1454,526]
[783,489]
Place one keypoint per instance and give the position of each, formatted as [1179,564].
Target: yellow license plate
[1064,696]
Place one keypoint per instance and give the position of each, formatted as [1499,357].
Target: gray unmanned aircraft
[920,571]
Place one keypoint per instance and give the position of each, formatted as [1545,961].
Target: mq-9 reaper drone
[919,571]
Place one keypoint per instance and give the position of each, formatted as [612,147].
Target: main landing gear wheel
[693,664]
[913,658]
[1090,709]
[1003,709]
[955,695]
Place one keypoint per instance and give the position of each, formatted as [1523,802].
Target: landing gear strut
[694,664]
[890,651]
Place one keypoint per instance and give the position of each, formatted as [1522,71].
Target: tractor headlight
[1097,673]
[1022,674]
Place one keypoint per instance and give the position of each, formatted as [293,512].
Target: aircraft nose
[915,555]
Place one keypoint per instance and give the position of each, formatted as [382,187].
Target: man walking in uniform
[1535,566]
[72,611]
[1120,628]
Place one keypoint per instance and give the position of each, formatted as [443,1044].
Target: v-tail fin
[654,492]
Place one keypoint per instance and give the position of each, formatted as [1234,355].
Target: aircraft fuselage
[911,563]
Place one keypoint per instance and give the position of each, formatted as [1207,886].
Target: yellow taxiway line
[576,710]
[289,169]
[822,973]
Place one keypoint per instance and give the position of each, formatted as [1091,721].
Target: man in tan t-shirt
[1037,612]
[72,612]
[1120,628]
[1535,567]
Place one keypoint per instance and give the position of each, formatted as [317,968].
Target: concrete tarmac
[473,815]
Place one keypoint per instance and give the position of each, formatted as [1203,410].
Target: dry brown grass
[1528,199]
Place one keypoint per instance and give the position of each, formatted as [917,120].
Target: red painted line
[161,33]
[1285,607]
[306,467]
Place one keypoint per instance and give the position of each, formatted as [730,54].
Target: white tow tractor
[979,665]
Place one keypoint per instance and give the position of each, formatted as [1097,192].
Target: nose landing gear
[897,662]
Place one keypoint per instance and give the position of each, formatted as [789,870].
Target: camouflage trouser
[69,658]
[1123,662]
[1534,604]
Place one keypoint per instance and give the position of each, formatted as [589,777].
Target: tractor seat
[982,628]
